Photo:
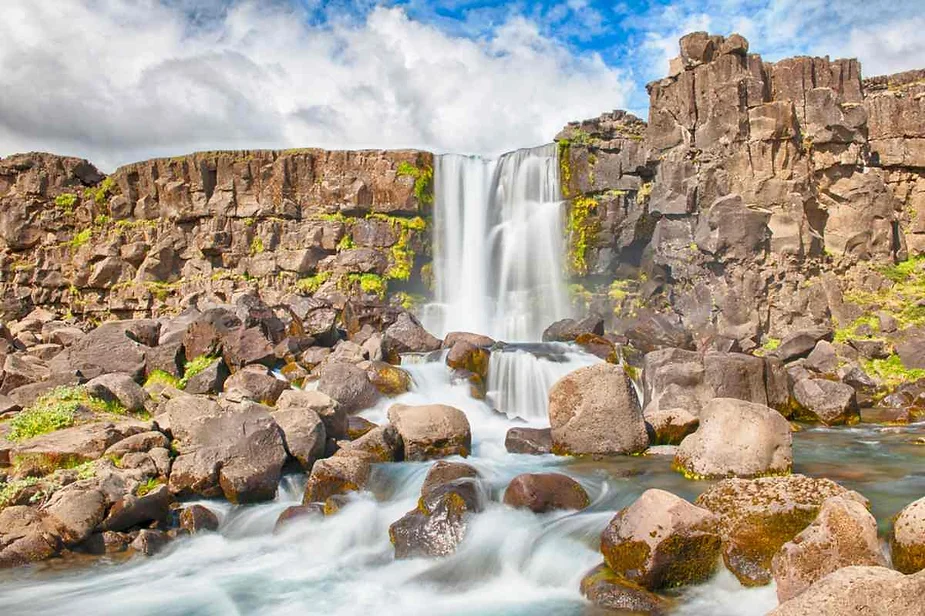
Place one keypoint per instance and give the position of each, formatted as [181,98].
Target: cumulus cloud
[117,81]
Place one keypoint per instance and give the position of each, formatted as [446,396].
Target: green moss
[10,490]
[195,366]
[842,335]
[771,344]
[564,150]
[256,246]
[423,180]
[147,487]
[891,371]
[427,276]
[368,283]
[902,271]
[126,225]
[56,410]
[583,228]
[80,239]
[160,377]
[645,191]
[409,301]
[100,193]
[311,284]
[346,243]
[66,202]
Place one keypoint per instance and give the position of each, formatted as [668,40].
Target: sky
[117,81]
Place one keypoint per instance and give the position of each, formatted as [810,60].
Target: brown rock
[907,538]
[859,590]
[543,492]
[606,589]
[431,431]
[535,441]
[336,476]
[197,518]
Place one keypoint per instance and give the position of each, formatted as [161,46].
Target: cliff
[151,235]
[752,199]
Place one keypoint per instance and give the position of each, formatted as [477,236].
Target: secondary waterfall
[498,245]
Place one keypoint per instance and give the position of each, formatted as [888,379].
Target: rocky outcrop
[343,224]
[859,590]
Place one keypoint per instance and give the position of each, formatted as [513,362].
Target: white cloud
[115,81]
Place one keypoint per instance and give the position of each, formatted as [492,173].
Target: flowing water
[498,273]
[498,245]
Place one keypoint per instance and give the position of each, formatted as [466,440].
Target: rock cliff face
[137,242]
[749,181]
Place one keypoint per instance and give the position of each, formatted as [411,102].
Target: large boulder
[431,431]
[444,472]
[907,538]
[337,475]
[606,589]
[825,401]
[594,410]
[348,385]
[134,509]
[255,383]
[567,330]
[850,591]
[304,433]
[758,516]
[737,438]
[332,415]
[843,534]
[25,536]
[669,426]
[381,444]
[439,523]
[801,343]
[236,451]
[406,335]
[662,541]
[112,347]
[542,492]
[74,513]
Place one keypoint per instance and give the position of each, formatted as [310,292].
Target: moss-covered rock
[388,379]
[606,589]
[758,516]
[907,538]
[661,541]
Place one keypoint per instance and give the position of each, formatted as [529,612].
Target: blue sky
[122,80]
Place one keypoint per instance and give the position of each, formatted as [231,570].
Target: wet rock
[907,538]
[381,444]
[474,339]
[132,510]
[197,518]
[406,335]
[349,386]
[535,441]
[336,476]
[445,472]
[431,431]
[150,542]
[330,412]
[388,379]
[825,401]
[439,523]
[236,452]
[594,410]
[567,330]
[358,426]
[669,426]
[120,388]
[304,433]
[298,512]
[859,590]
[255,383]
[606,589]
[801,343]
[737,438]
[543,492]
[758,516]
[470,362]
[843,534]
[662,541]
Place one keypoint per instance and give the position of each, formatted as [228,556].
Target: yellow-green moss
[80,239]
[564,149]
[645,191]
[346,243]
[583,227]
[101,192]
[256,246]
[311,284]
[56,410]
[147,487]
[195,366]
[368,283]
[891,371]
[423,180]
[66,202]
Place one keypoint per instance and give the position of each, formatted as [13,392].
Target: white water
[511,562]
[498,245]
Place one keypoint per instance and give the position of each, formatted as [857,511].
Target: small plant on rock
[195,366]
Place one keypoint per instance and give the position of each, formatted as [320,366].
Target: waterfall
[498,245]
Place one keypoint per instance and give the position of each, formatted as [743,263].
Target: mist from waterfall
[498,245]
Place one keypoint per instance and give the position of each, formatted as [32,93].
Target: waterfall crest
[498,227]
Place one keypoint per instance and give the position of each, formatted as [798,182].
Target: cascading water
[498,245]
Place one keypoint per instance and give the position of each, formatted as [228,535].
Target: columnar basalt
[343,225]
